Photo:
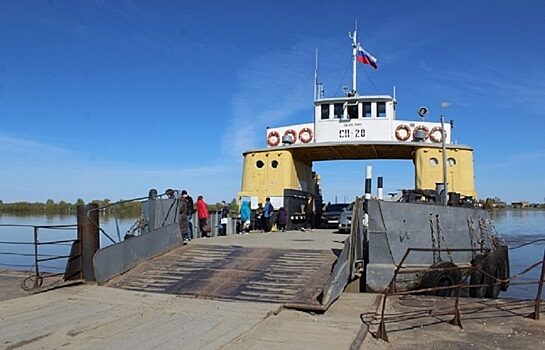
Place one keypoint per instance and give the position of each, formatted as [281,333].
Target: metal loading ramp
[219,269]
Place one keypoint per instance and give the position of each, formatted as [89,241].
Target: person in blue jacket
[245,215]
[268,211]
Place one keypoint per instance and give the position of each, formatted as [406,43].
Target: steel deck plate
[287,276]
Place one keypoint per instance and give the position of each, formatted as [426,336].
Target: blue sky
[111,98]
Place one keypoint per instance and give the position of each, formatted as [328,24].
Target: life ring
[293,134]
[421,127]
[303,138]
[450,276]
[273,139]
[407,132]
[435,138]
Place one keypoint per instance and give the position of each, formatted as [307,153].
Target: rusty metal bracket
[381,332]
[457,320]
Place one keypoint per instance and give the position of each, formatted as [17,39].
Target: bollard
[380,188]
[88,237]
[368,177]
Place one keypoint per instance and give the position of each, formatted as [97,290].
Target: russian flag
[366,58]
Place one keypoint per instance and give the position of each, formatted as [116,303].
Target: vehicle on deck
[331,215]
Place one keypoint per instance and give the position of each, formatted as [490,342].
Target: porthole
[274,164]
[451,161]
[259,164]
[434,162]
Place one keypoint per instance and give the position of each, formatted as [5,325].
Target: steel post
[444,149]
[37,269]
[537,308]
[457,320]
[88,236]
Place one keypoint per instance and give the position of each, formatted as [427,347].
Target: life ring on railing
[273,139]
[433,137]
[407,132]
[308,137]
[421,127]
[293,134]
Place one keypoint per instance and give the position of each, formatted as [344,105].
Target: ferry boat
[440,212]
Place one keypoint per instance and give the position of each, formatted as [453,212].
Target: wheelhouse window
[325,111]
[352,110]
[381,109]
[367,110]
[338,110]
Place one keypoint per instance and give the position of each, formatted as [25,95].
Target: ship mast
[316,86]
[354,37]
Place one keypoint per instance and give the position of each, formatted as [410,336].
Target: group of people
[186,210]
[265,216]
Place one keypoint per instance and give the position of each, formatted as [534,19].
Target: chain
[433,241]
[439,232]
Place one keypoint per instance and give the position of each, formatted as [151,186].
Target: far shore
[517,209]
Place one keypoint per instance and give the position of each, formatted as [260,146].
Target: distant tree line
[67,208]
[62,207]
[233,207]
[498,203]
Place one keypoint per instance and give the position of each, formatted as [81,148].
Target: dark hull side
[394,227]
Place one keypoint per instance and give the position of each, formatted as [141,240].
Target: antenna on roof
[316,84]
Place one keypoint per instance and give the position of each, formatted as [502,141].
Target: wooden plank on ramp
[287,276]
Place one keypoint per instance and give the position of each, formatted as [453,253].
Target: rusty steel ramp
[265,271]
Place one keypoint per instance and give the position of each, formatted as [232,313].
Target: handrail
[114,204]
[38,275]
[391,289]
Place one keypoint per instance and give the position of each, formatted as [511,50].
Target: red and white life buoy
[422,127]
[273,139]
[405,130]
[293,134]
[305,135]
[436,134]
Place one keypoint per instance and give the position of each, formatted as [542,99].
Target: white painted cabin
[357,118]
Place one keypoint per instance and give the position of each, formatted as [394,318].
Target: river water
[517,227]
[26,235]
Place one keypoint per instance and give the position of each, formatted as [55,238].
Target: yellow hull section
[267,173]
[428,165]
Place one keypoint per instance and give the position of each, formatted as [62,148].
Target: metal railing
[457,318]
[169,215]
[37,269]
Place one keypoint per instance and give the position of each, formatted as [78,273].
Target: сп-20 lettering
[345,133]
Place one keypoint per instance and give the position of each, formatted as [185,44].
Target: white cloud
[37,171]
[273,88]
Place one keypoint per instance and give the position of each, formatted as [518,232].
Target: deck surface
[98,317]
[286,268]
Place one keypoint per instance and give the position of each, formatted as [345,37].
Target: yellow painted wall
[428,164]
[269,181]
